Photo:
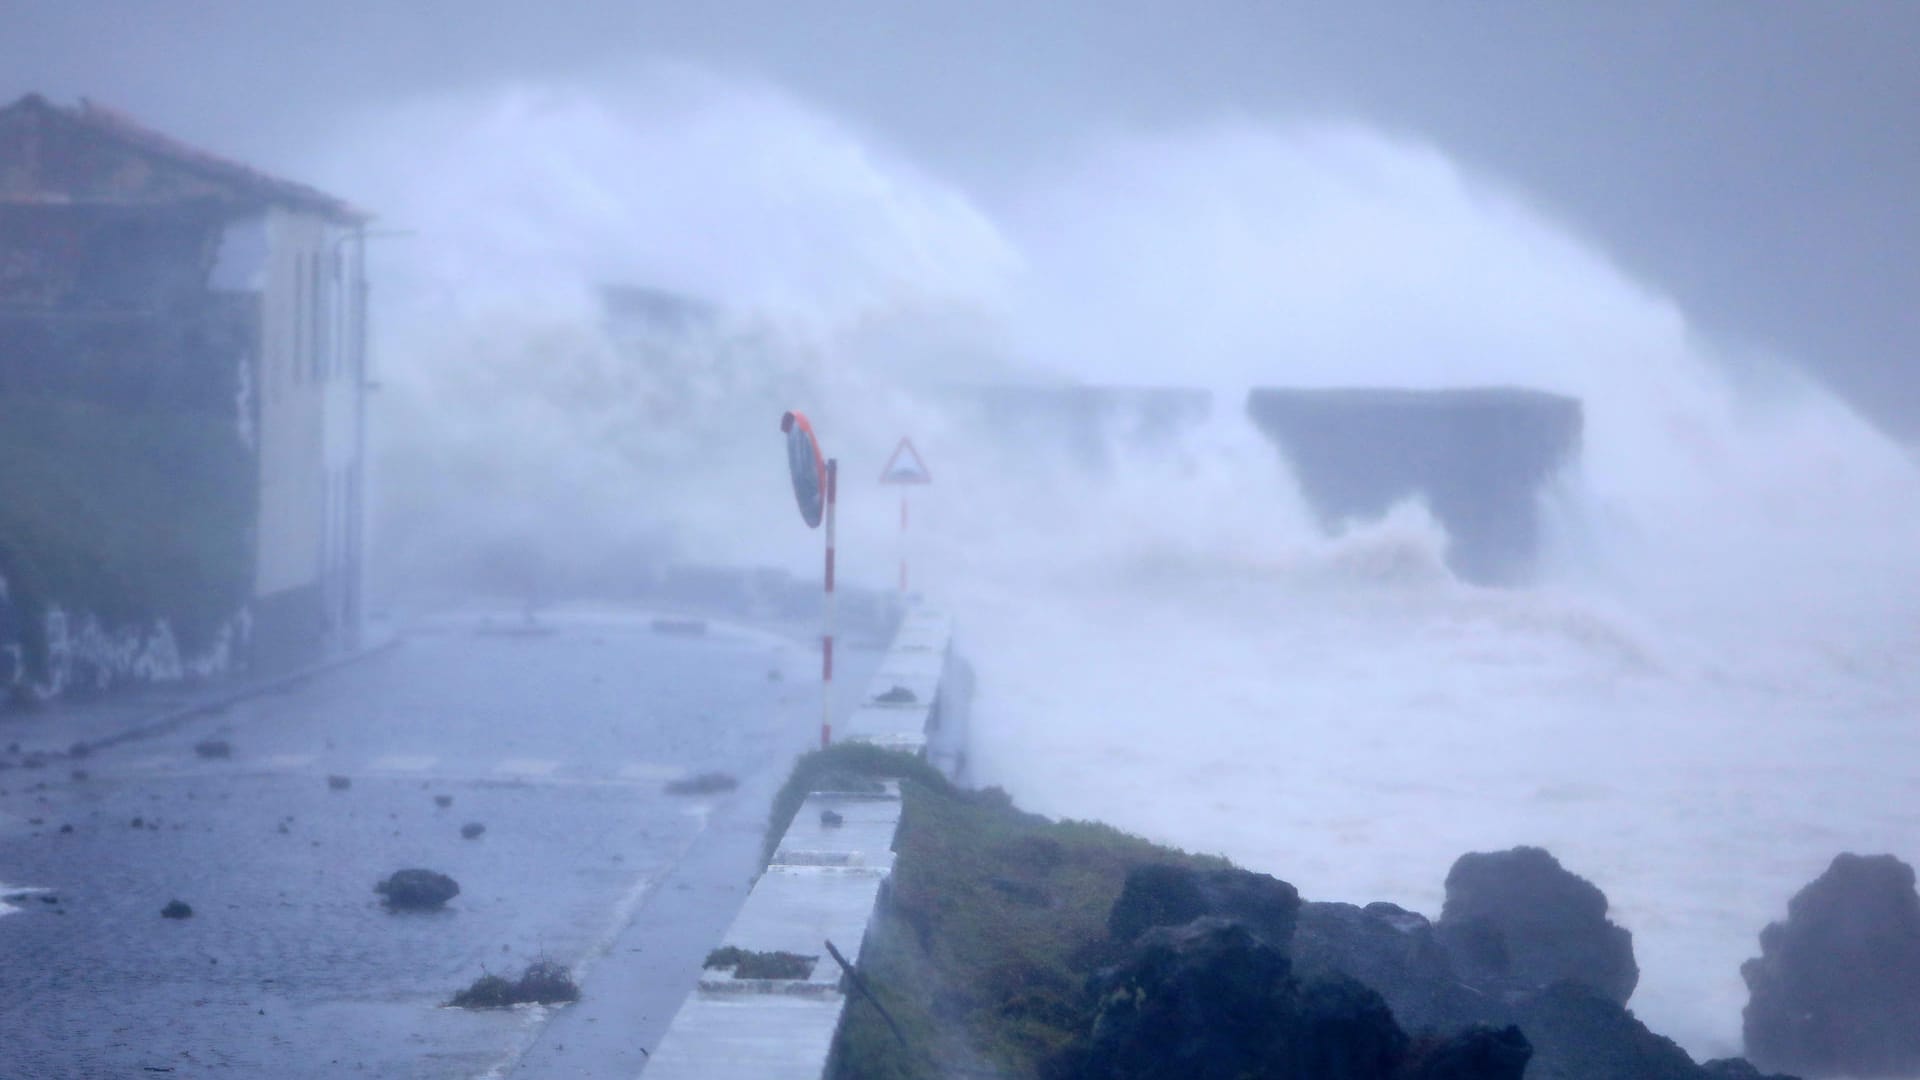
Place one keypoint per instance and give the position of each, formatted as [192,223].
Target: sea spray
[1707,693]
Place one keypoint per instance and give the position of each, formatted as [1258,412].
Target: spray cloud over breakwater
[1699,703]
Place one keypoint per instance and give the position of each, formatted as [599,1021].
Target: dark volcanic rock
[472,830]
[1157,894]
[1836,988]
[177,909]
[1737,1069]
[417,890]
[1575,1033]
[1210,1001]
[339,783]
[1478,1053]
[1396,952]
[1516,920]
[1341,1028]
[1580,1034]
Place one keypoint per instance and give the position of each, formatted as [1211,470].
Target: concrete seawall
[823,883]
[1479,459]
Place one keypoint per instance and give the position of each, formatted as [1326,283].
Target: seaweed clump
[748,964]
[543,983]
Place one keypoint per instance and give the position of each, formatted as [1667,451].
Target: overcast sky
[1758,161]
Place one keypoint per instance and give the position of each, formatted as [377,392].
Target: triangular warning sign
[905,466]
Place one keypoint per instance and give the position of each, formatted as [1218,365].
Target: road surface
[558,740]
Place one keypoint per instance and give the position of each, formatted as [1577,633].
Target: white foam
[1711,693]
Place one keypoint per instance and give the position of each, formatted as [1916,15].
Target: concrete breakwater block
[1478,458]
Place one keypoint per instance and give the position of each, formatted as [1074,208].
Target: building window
[318,302]
[297,355]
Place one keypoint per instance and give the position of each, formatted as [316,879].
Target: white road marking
[623,914]
[526,767]
[15,890]
[403,763]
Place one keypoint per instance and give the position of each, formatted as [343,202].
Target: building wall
[172,321]
[309,397]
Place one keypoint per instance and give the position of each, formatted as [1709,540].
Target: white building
[152,277]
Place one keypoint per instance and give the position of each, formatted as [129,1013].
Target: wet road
[558,743]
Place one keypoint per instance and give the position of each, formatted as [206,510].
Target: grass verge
[992,922]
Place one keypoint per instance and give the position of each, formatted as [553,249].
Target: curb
[824,881]
[165,722]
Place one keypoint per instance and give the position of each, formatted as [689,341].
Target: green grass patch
[132,516]
[992,922]
[851,766]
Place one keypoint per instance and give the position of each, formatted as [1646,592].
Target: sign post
[826,633]
[816,490]
[905,469]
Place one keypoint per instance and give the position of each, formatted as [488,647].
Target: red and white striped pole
[826,638]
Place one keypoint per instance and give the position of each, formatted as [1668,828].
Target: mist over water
[1708,693]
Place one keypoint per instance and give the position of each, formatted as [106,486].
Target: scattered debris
[680,627]
[899,695]
[547,983]
[831,820]
[706,783]
[543,983]
[66,828]
[417,890]
[748,964]
[443,801]
[338,783]
[219,749]
[487,992]
[472,830]
[137,823]
[177,909]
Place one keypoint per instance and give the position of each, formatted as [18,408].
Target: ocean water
[1342,713]
[1709,691]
